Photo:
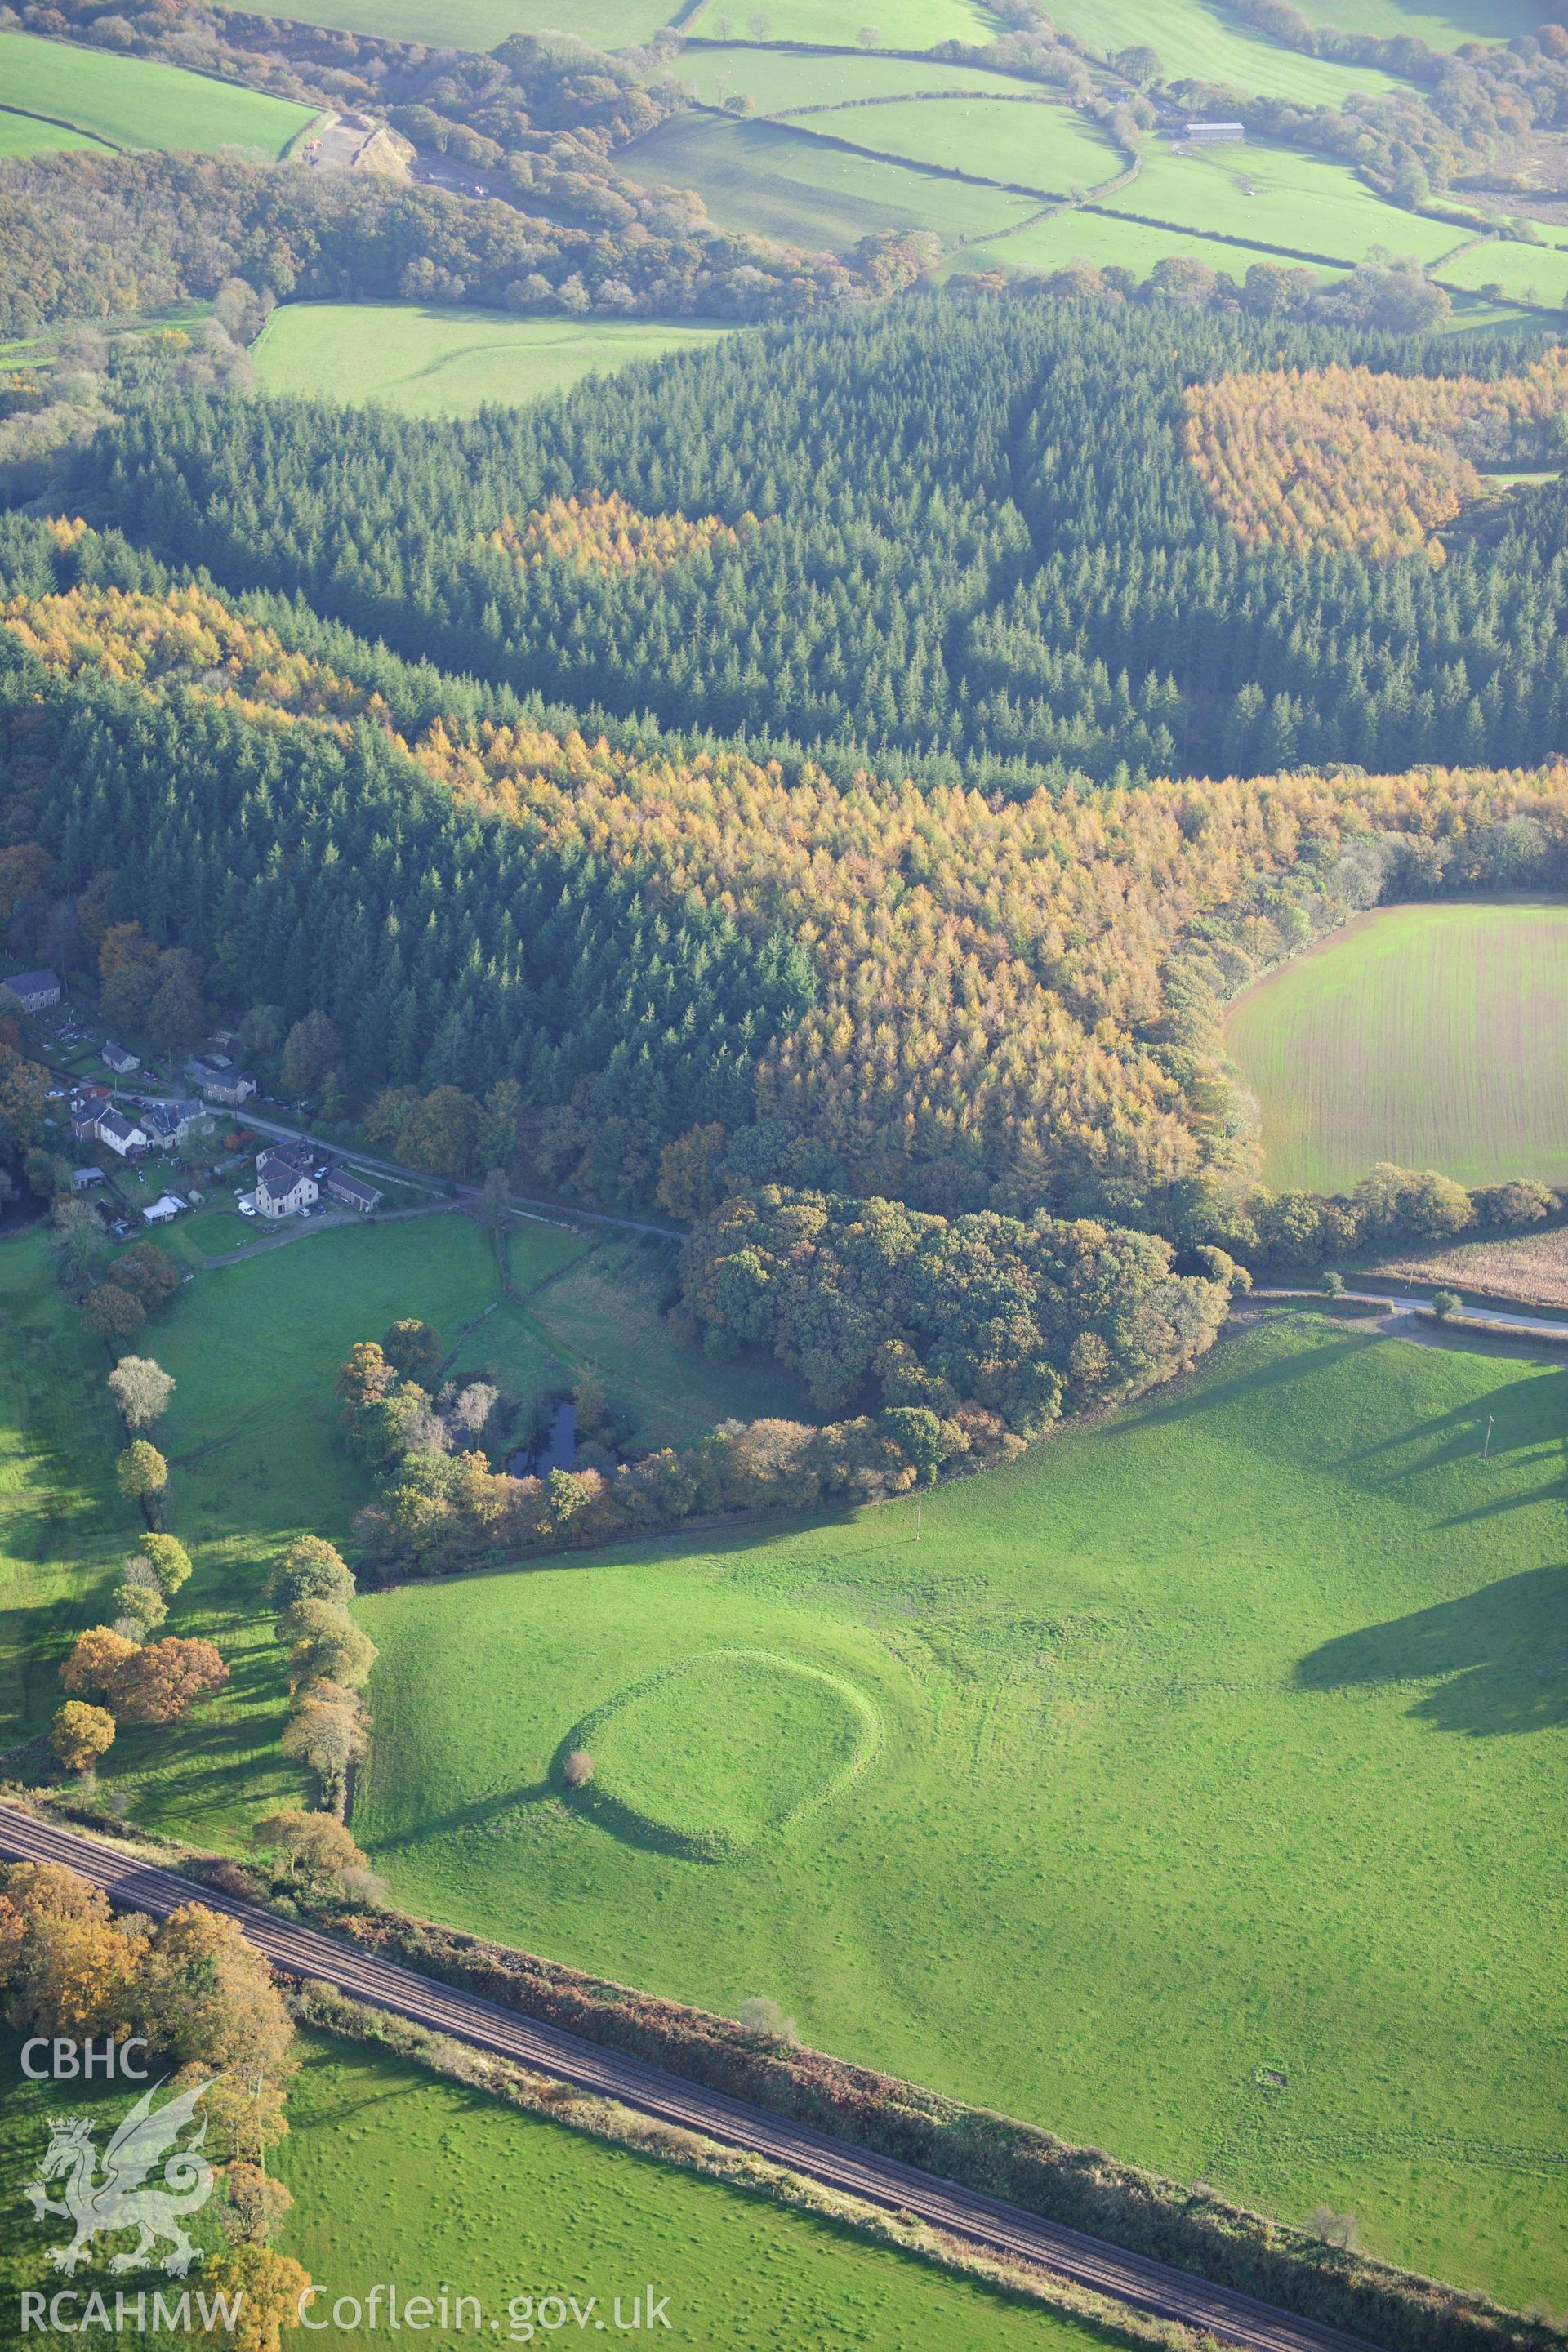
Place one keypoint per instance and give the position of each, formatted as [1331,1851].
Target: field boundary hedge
[1193,2229]
[1222,237]
[880,155]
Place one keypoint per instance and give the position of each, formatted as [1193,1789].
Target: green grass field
[1430,1035]
[253,1455]
[1075,236]
[24,134]
[1536,274]
[62,1521]
[1442,28]
[797,1739]
[399,2177]
[1046,147]
[776,78]
[481,24]
[1272,195]
[139,102]
[1199,38]
[912,25]
[1218,1739]
[433,362]
[603,1305]
[774,182]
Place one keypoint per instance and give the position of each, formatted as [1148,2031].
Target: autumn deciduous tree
[141,1472]
[81,1735]
[170,1561]
[164,1680]
[139,1602]
[256,2204]
[207,1995]
[686,1172]
[78,1241]
[65,1967]
[97,1657]
[312,1847]
[142,1390]
[157,1684]
[245,2110]
[112,1313]
[413,1349]
[364,1376]
[326,1733]
[264,2288]
[148,1273]
[327,1646]
[309,1570]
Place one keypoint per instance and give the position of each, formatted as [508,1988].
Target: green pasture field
[602,1308]
[1199,39]
[433,362]
[910,24]
[778,78]
[1042,146]
[482,24]
[254,1454]
[1077,235]
[24,134]
[62,1521]
[1441,27]
[139,102]
[772,180]
[1431,1036]
[214,1232]
[399,2177]
[1273,195]
[1536,274]
[1218,1742]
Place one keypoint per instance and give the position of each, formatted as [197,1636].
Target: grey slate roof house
[118,1059]
[289,1178]
[33,991]
[218,1078]
[122,1134]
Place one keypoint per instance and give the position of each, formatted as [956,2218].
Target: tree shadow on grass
[477,1815]
[1209,1395]
[1497,1659]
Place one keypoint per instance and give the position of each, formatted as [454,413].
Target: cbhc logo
[81,2060]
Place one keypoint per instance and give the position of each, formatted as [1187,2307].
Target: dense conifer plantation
[984,551]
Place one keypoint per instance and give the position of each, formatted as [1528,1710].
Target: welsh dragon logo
[119,2199]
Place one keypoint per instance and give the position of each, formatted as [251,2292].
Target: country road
[563,1211]
[1110,2270]
[1405,1302]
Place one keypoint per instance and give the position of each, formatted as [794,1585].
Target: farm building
[34,992]
[118,1059]
[352,1192]
[1214,134]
